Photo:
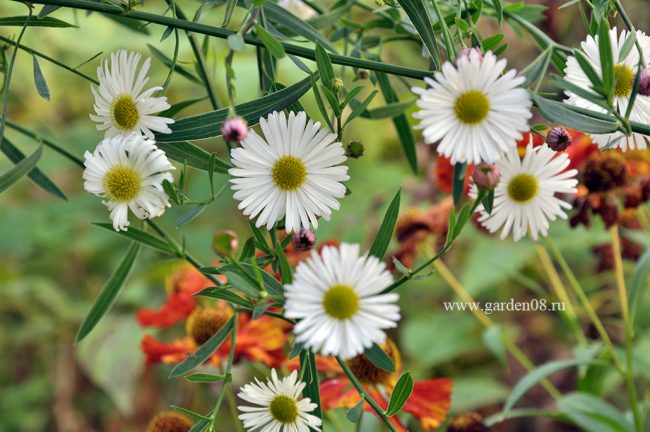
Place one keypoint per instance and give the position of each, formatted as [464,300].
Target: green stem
[228,371]
[9,73]
[292,49]
[47,142]
[48,58]
[364,393]
[200,62]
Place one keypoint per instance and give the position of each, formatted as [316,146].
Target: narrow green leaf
[205,377]
[404,130]
[295,350]
[458,184]
[360,108]
[593,414]
[590,72]
[533,377]
[179,69]
[39,80]
[270,42]
[204,351]
[491,42]
[354,413]
[400,394]
[196,157]
[129,23]
[222,293]
[325,69]
[109,293]
[209,124]
[379,358]
[36,175]
[19,21]
[190,215]
[627,46]
[190,413]
[493,340]
[278,15]
[606,57]
[639,283]
[422,21]
[20,169]
[537,68]
[560,113]
[139,236]
[385,233]
[285,268]
[310,378]
[46,10]
[178,107]
[498,8]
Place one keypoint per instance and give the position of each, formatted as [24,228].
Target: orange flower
[183,283]
[261,340]
[445,174]
[428,403]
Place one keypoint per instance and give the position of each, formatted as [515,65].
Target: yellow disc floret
[341,302]
[472,106]
[284,409]
[125,112]
[121,183]
[522,188]
[289,173]
[624,77]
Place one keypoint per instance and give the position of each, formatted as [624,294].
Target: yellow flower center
[624,77]
[289,173]
[522,188]
[125,112]
[121,183]
[472,107]
[341,302]
[284,409]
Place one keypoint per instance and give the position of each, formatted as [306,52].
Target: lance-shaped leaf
[420,18]
[400,394]
[209,124]
[204,351]
[139,236]
[280,16]
[36,175]
[380,244]
[379,358]
[109,293]
[20,169]
[19,21]
[560,113]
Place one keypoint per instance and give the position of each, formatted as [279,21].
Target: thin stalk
[47,142]
[510,346]
[9,73]
[289,48]
[629,327]
[50,59]
[200,62]
[561,293]
[228,371]
[232,406]
[357,385]
[586,304]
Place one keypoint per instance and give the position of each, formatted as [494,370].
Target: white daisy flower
[128,172]
[624,72]
[277,407]
[298,7]
[474,110]
[121,105]
[524,198]
[293,172]
[337,298]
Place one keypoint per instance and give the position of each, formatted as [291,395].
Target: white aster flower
[474,110]
[337,297]
[298,7]
[121,105]
[524,198]
[293,172]
[624,72]
[277,407]
[128,172]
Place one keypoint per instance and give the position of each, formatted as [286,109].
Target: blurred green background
[53,262]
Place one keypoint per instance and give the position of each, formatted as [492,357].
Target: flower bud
[558,139]
[337,84]
[304,240]
[468,422]
[486,175]
[644,82]
[234,129]
[363,73]
[355,149]
[224,242]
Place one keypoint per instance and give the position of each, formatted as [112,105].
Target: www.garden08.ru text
[511,305]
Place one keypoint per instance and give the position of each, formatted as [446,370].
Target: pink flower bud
[558,139]
[467,53]
[486,175]
[644,82]
[234,129]
[304,240]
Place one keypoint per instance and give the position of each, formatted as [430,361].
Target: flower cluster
[126,168]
